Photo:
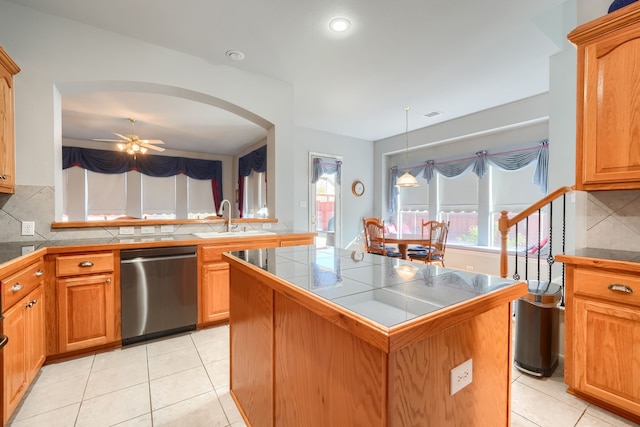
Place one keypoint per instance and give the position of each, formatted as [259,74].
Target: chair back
[374,235]
[438,236]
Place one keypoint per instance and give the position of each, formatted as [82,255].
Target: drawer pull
[85,264]
[39,273]
[16,287]
[617,287]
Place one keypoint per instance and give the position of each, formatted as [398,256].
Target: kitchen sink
[239,233]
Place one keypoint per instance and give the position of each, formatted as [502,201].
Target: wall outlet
[127,230]
[266,226]
[148,229]
[461,376]
[166,228]
[28,228]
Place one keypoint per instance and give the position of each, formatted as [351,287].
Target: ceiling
[452,56]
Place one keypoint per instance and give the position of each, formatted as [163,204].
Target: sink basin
[247,233]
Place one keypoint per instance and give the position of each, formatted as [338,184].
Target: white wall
[57,55]
[357,158]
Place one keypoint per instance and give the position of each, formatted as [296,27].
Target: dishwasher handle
[3,340]
[153,259]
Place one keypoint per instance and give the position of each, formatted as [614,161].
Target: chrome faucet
[221,213]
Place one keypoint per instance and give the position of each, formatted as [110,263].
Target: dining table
[403,240]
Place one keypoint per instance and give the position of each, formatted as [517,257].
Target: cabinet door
[13,354]
[606,352]
[34,332]
[215,292]
[610,123]
[86,311]
[6,132]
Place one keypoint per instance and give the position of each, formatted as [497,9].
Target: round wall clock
[357,188]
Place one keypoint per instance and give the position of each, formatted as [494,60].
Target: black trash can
[536,348]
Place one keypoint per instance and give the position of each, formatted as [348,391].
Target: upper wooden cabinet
[8,69]
[608,107]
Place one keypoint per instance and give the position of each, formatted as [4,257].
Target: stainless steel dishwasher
[158,292]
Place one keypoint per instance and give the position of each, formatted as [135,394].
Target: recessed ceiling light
[340,24]
[235,55]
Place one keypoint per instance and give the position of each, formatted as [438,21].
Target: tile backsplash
[613,220]
[36,203]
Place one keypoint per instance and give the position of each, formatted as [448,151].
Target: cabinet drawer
[618,287]
[71,265]
[17,286]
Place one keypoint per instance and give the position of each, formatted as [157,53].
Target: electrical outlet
[28,228]
[166,228]
[461,376]
[266,226]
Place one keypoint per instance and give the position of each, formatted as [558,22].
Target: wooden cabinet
[24,324]
[602,330]
[8,69]
[608,104]
[215,292]
[87,301]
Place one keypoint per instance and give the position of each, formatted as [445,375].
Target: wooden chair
[374,238]
[435,245]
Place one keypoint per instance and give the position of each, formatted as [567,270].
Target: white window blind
[415,198]
[200,200]
[111,199]
[514,189]
[158,196]
[459,193]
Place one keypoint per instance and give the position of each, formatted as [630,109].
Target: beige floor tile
[44,398]
[520,421]
[116,407]
[141,421]
[174,362]
[555,387]
[169,345]
[213,351]
[201,411]
[229,405]
[120,356]
[210,334]
[608,417]
[219,373]
[590,421]
[64,370]
[61,417]
[174,388]
[116,378]
[542,409]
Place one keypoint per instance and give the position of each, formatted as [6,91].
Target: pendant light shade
[407,180]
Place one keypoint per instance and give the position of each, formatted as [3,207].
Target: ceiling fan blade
[151,141]
[152,147]
[108,140]
[125,138]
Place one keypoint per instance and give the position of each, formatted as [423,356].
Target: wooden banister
[505,223]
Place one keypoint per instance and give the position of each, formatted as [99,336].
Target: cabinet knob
[16,287]
[108,281]
[85,264]
[617,287]
[29,304]
[39,273]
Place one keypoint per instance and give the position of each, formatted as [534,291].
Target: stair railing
[505,224]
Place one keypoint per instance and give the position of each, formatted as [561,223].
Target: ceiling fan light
[135,147]
[407,180]
[130,151]
[143,150]
[121,146]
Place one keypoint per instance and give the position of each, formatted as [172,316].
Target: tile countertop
[10,251]
[387,291]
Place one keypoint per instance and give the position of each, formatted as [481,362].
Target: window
[458,199]
[414,207]
[92,196]
[255,195]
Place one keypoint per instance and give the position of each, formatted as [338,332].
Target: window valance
[326,166]
[115,162]
[513,159]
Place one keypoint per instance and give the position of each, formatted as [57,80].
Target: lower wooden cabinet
[24,354]
[86,312]
[215,292]
[602,338]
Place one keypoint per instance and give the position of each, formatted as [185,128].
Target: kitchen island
[335,337]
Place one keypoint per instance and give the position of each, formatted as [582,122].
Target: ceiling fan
[132,143]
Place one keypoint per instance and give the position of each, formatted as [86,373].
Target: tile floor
[183,381]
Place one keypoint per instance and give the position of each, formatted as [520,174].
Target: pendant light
[407,180]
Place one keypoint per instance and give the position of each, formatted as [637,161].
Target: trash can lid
[543,293]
